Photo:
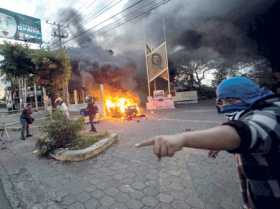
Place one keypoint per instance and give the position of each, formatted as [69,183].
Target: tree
[196,71]
[17,66]
[17,61]
[53,71]
[183,78]
[260,71]
[219,75]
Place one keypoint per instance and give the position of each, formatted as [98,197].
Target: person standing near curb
[61,105]
[26,120]
[92,110]
[253,131]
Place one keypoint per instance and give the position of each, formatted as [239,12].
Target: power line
[99,13]
[89,5]
[77,14]
[150,3]
[83,7]
[127,15]
[58,33]
[158,4]
[143,14]
[102,11]
[118,23]
[87,30]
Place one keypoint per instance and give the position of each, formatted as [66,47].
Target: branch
[197,77]
[203,73]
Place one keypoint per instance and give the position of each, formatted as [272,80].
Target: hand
[164,146]
[213,154]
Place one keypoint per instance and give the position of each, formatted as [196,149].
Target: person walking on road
[253,131]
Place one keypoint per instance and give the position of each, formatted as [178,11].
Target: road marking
[191,121]
[205,110]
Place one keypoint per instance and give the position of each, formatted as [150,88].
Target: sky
[49,9]
[41,9]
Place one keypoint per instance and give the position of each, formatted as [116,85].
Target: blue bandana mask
[234,107]
[243,89]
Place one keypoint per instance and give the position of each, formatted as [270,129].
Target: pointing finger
[145,143]
[157,148]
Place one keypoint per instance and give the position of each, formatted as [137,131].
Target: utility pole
[61,35]
[58,32]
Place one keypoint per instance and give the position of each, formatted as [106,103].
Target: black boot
[93,129]
[27,132]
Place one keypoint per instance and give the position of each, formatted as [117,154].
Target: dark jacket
[259,131]
[26,115]
[92,109]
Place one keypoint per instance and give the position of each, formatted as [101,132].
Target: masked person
[26,120]
[61,105]
[253,131]
[92,110]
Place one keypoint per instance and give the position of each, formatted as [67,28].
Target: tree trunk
[35,96]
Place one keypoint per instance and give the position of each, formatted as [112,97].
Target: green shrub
[86,139]
[58,132]
[44,146]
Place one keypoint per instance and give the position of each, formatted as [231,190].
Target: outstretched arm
[218,138]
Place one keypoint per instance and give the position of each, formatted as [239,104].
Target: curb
[87,153]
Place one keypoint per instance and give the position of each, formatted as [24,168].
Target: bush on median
[58,132]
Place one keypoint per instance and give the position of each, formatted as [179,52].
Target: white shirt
[63,107]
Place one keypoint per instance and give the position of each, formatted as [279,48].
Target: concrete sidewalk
[5,204]
[125,177]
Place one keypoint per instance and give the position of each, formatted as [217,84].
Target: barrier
[160,103]
[186,97]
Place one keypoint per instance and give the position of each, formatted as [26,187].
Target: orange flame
[118,102]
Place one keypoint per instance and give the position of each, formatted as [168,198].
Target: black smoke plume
[91,62]
[231,31]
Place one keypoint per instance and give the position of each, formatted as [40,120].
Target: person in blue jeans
[25,120]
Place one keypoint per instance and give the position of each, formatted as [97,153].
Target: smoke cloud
[94,64]
[195,29]
[199,29]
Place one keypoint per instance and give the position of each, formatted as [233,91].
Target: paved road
[125,177]
[5,204]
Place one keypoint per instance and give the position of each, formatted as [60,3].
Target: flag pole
[146,58]
[165,41]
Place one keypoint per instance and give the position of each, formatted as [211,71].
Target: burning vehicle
[122,107]
[114,88]
[118,102]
